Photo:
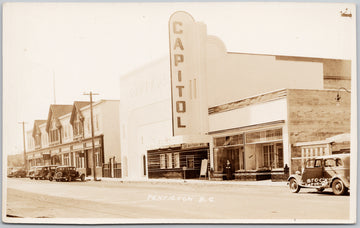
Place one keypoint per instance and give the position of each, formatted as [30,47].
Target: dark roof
[81,104]
[57,111]
[36,128]
[60,110]
[76,108]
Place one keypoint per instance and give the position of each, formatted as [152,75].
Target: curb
[195,182]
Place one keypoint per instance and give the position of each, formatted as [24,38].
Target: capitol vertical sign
[187,65]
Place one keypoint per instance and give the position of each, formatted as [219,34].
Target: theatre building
[204,102]
[65,138]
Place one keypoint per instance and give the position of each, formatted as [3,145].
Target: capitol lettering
[178,60]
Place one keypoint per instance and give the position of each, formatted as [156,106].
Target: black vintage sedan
[68,173]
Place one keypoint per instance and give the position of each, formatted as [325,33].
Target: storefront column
[211,148]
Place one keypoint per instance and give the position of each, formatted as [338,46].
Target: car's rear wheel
[338,187]
[69,179]
[294,186]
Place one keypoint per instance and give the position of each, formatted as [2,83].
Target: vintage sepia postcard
[231,112]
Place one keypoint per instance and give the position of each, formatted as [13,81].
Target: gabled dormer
[36,133]
[53,124]
[77,119]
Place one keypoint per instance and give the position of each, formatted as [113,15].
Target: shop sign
[193,145]
[46,156]
[65,149]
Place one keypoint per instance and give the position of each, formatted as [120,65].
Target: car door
[313,171]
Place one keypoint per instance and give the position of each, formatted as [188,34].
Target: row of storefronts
[65,138]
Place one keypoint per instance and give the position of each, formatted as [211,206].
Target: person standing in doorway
[228,170]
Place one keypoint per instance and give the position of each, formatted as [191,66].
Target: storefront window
[176,160]
[229,140]
[272,156]
[264,136]
[279,156]
[66,159]
[162,161]
[169,160]
[234,154]
[190,161]
[80,161]
[97,157]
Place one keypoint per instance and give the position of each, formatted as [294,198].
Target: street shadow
[324,193]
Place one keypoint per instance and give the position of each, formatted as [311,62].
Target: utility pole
[54,86]
[23,126]
[92,132]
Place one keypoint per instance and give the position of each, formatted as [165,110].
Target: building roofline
[296,58]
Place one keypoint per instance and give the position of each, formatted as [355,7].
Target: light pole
[92,132]
[23,126]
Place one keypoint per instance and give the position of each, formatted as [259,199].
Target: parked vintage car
[36,174]
[332,171]
[44,172]
[51,173]
[31,172]
[17,172]
[68,173]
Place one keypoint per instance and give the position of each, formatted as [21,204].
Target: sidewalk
[194,181]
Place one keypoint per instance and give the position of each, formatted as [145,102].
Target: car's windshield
[318,163]
[310,163]
[339,162]
[331,162]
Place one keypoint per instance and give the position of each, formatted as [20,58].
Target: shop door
[233,155]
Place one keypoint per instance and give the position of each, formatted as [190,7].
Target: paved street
[109,199]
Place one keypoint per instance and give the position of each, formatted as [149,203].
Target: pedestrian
[228,170]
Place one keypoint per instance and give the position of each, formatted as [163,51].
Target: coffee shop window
[229,148]
[190,161]
[162,161]
[176,160]
[169,161]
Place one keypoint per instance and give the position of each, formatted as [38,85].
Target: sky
[89,46]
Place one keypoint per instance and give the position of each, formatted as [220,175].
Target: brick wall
[314,115]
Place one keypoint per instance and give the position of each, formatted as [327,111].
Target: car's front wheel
[294,186]
[338,187]
[82,177]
